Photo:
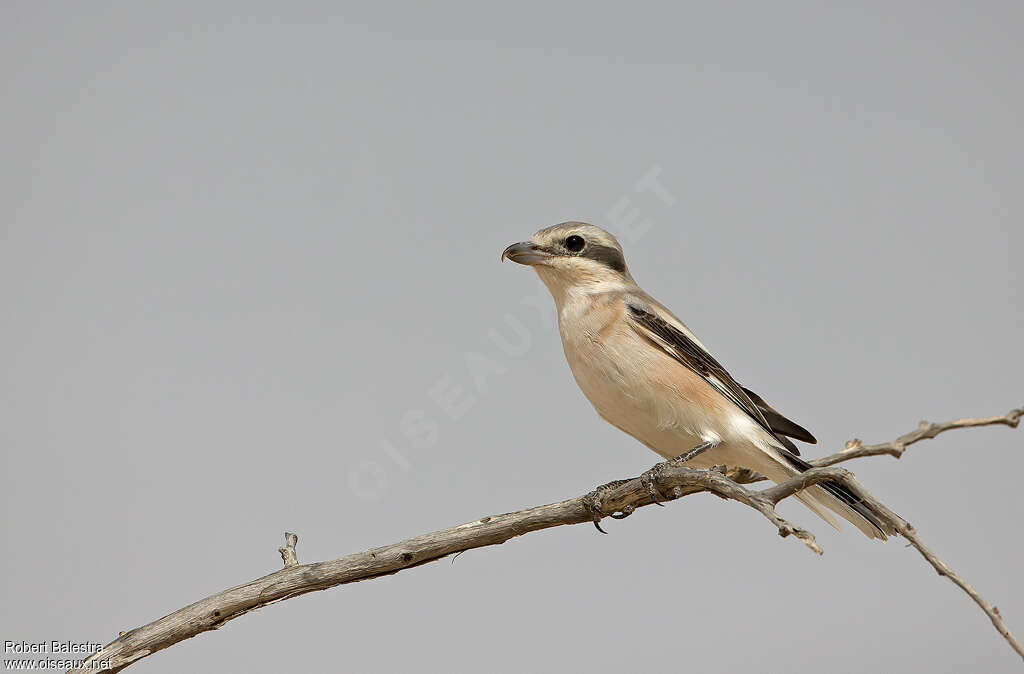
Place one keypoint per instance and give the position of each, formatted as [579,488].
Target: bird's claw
[592,502]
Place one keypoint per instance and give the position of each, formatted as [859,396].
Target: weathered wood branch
[855,449]
[617,499]
[925,430]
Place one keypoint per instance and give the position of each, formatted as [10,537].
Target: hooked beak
[525,252]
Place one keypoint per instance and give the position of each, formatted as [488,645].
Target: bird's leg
[699,449]
[650,477]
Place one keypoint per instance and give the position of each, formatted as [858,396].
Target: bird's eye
[575,243]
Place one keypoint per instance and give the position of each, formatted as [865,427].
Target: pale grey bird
[646,374]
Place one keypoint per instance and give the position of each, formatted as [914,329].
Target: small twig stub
[288,555]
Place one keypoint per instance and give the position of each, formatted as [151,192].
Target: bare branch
[925,430]
[617,499]
[717,482]
[991,611]
[855,449]
[905,529]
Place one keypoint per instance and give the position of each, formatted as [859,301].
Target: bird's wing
[780,424]
[685,349]
[691,354]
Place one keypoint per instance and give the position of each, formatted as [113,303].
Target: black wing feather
[699,361]
[780,424]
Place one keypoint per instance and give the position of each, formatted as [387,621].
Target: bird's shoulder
[638,302]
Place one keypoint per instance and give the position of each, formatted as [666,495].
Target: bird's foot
[594,504]
[649,480]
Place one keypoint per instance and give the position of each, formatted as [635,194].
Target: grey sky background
[242,242]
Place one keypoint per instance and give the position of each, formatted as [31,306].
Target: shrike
[646,374]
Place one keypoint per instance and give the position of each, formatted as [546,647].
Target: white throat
[570,291]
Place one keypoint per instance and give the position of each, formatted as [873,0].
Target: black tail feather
[842,493]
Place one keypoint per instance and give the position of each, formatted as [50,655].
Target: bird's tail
[831,496]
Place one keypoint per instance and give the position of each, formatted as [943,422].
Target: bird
[648,375]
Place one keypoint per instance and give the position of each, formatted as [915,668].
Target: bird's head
[573,257]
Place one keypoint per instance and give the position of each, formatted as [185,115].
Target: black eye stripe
[609,256]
